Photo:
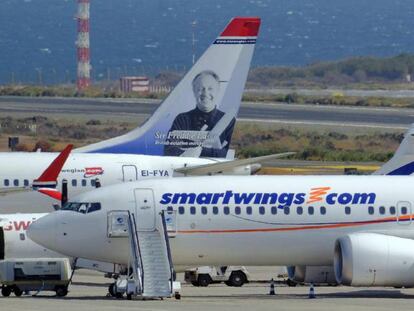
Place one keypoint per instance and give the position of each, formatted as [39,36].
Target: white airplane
[190,129]
[360,225]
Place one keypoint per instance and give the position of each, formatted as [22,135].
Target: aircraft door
[145,209]
[2,244]
[404,212]
[129,173]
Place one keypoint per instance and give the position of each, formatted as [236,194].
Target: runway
[387,118]
[89,293]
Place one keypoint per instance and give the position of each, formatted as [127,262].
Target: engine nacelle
[370,259]
[312,274]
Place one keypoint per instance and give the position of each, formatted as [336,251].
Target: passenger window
[170,208]
[16,182]
[382,210]
[6,182]
[181,210]
[403,210]
[323,210]
[74,182]
[299,210]
[93,182]
[215,210]
[26,182]
[226,210]
[83,182]
[192,210]
[204,210]
[311,210]
[274,210]
[392,210]
[286,210]
[261,210]
[347,210]
[370,210]
[22,236]
[249,210]
[237,210]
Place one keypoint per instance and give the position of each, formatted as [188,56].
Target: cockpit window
[80,207]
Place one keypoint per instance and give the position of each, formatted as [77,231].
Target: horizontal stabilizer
[220,167]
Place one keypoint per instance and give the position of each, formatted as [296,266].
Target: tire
[6,291]
[17,291]
[195,283]
[237,278]
[177,296]
[111,290]
[129,296]
[61,291]
[204,280]
[291,283]
[119,295]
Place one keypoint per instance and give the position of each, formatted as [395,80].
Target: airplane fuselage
[255,220]
[19,169]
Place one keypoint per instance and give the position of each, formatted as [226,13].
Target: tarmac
[88,292]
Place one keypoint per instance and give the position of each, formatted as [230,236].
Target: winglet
[242,27]
[50,175]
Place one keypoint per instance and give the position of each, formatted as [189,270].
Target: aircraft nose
[42,231]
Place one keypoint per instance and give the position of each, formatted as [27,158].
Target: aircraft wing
[47,180]
[219,167]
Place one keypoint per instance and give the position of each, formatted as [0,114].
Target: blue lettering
[184,198]
[204,198]
[227,197]
[243,198]
[299,198]
[286,199]
[166,198]
[344,198]
[258,198]
[269,198]
[216,197]
[330,198]
[364,198]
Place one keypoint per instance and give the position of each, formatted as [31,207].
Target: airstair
[151,273]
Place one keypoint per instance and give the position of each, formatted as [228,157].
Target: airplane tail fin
[402,162]
[197,118]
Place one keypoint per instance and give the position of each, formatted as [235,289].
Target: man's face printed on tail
[206,87]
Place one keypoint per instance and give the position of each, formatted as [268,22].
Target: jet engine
[370,259]
[312,274]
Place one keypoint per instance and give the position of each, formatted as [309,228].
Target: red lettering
[21,225]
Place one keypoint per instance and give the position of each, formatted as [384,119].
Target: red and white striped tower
[82,44]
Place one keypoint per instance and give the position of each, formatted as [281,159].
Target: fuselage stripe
[305,227]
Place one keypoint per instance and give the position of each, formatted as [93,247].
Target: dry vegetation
[248,139]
